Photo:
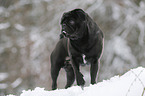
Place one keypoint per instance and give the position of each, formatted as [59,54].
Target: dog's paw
[82,87]
[54,86]
[80,80]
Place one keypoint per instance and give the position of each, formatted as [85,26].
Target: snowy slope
[131,83]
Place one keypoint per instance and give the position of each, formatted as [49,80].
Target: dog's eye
[71,22]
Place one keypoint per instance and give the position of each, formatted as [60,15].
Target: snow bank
[131,83]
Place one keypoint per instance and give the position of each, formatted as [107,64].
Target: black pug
[80,36]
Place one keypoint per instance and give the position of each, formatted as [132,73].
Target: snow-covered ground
[131,83]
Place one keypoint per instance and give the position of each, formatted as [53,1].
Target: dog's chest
[84,59]
[85,62]
[82,63]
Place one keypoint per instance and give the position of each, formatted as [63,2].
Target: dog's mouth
[65,33]
[71,36]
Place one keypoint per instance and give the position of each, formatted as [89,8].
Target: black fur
[80,36]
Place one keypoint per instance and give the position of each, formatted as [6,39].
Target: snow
[3,76]
[122,49]
[4,25]
[3,85]
[16,83]
[19,27]
[131,83]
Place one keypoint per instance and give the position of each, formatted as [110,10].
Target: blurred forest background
[29,30]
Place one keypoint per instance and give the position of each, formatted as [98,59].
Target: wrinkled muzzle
[71,36]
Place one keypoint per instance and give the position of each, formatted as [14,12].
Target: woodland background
[29,31]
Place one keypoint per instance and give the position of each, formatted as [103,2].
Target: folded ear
[81,14]
[63,17]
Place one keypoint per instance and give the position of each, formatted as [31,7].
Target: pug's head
[73,24]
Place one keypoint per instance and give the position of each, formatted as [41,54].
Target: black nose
[64,25]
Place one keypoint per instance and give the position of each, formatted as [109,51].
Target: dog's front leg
[94,70]
[78,75]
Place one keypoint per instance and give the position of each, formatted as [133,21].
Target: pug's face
[72,22]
